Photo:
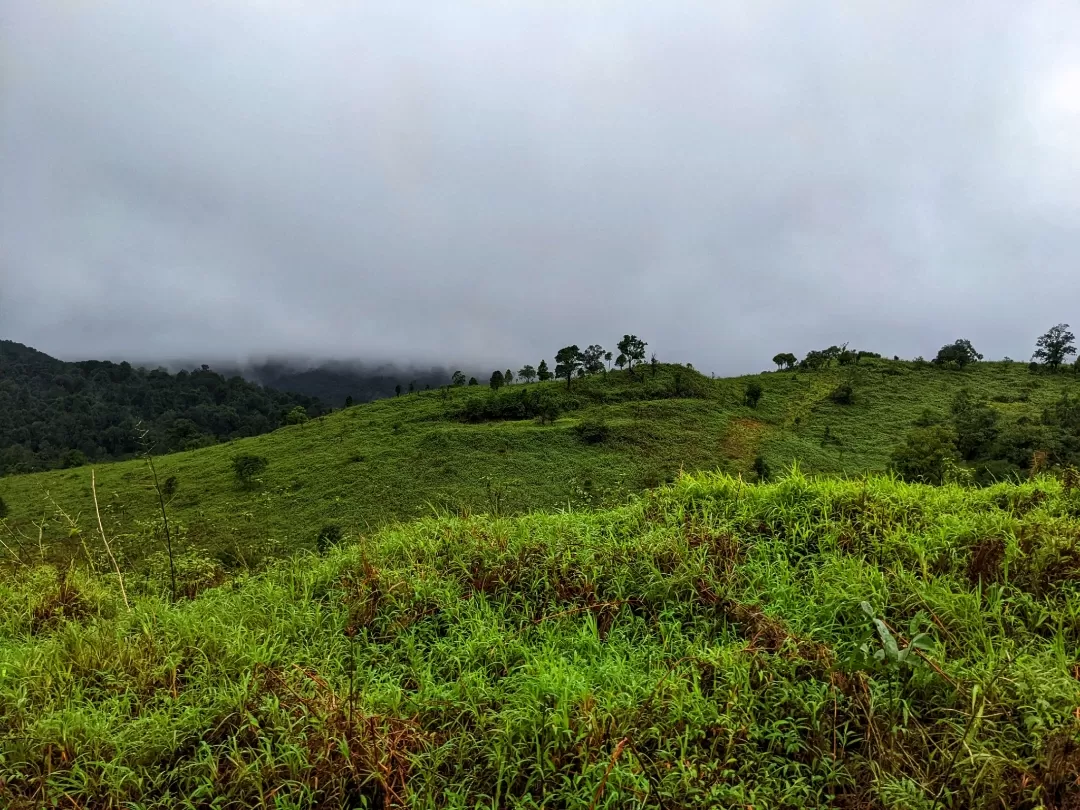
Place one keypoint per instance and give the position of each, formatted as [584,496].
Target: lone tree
[593,359]
[472,381]
[1053,347]
[567,362]
[458,378]
[397,390]
[527,373]
[620,361]
[753,393]
[542,372]
[497,380]
[959,354]
[607,359]
[785,360]
[633,349]
[508,377]
[348,401]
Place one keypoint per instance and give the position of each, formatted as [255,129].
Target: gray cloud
[488,181]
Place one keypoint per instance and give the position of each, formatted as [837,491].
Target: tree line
[570,362]
[1052,352]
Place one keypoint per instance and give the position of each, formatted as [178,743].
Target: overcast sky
[470,182]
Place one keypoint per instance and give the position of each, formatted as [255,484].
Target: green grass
[396,460]
[700,646]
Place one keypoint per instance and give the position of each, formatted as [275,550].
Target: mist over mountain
[334,381]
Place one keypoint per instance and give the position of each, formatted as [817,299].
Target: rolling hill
[535,447]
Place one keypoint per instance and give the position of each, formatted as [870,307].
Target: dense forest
[60,414]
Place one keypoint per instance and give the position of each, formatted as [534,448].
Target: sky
[475,182]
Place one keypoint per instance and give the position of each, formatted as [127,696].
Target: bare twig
[105,540]
[161,502]
[8,548]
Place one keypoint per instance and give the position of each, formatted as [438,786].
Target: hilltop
[532,447]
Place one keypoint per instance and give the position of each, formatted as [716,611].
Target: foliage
[328,537]
[592,430]
[527,374]
[785,360]
[247,468]
[458,378]
[297,416]
[843,394]
[761,468]
[58,414]
[508,377]
[592,359]
[958,354]
[753,393]
[632,350]
[473,381]
[542,372]
[1055,346]
[3,508]
[497,380]
[702,646]
[925,454]
[568,361]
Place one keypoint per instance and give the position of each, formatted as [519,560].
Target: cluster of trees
[974,437]
[570,362]
[822,358]
[59,414]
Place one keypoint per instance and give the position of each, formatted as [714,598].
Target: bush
[3,509]
[297,416]
[926,455]
[328,537]
[761,468]
[248,468]
[752,395]
[843,394]
[170,486]
[592,431]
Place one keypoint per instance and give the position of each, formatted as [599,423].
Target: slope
[397,459]
[707,645]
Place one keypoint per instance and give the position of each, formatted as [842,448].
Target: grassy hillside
[702,646]
[416,455]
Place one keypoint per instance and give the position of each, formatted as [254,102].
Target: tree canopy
[1053,347]
[58,414]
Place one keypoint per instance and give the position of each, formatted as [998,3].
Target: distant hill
[335,382]
[61,414]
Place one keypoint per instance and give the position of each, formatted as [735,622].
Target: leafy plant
[890,652]
[247,468]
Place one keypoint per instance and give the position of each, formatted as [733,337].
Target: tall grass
[701,646]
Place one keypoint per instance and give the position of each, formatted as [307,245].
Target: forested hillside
[342,383]
[60,414]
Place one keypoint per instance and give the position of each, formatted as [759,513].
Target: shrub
[297,416]
[247,468]
[752,395]
[925,455]
[170,486]
[843,394]
[328,537]
[761,468]
[592,430]
[3,509]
